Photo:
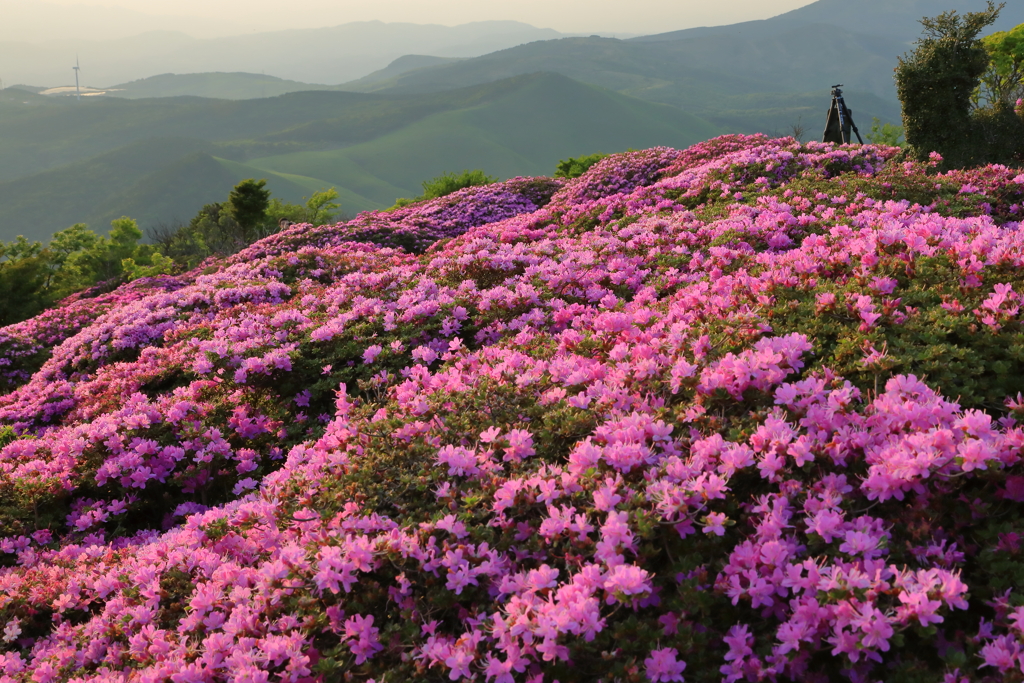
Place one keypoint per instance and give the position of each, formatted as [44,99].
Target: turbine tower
[78,92]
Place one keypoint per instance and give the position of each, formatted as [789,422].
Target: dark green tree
[24,273]
[937,84]
[248,203]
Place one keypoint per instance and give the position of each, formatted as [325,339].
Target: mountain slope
[898,19]
[372,148]
[175,193]
[219,85]
[543,118]
[694,77]
[242,85]
[38,205]
[36,138]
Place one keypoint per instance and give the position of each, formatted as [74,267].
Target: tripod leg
[857,132]
[833,126]
[849,117]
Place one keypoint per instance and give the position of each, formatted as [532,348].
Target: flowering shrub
[743,412]
[25,346]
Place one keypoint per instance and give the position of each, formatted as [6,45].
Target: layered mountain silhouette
[328,55]
[758,75]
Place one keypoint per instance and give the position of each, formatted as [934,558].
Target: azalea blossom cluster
[541,431]
[420,225]
[24,346]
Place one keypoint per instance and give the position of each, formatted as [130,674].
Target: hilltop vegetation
[746,411]
[34,277]
[77,261]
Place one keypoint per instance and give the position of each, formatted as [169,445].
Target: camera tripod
[840,120]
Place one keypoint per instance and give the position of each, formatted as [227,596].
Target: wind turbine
[77,68]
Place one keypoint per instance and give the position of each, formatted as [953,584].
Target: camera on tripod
[840,120]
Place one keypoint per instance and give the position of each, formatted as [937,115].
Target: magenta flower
[625,581]
[461,461]
[361,637]
[371,353]
[662,666]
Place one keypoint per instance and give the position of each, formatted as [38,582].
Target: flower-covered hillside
[747,411]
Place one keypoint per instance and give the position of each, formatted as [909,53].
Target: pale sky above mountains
[225,17]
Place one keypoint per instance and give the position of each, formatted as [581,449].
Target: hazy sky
[569,16]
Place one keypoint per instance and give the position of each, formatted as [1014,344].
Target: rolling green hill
[372,147]
[71,194]
[52,132]
[739,86]
[247,86]
[544,118]
[176,192]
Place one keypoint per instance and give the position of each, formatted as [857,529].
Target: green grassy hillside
[176,193]
[738,84]
[38,205]
[59,131]
[541,119]
[372,147]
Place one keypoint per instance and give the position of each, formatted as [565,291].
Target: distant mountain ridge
[242,85]
[731,75]
[898,19]
[324,55]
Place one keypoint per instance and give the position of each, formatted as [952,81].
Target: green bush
[447,183]
[34,277]
[886,134]
[574,167]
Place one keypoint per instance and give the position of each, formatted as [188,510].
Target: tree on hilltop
[1003,81]
[938,86]
[248,204]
